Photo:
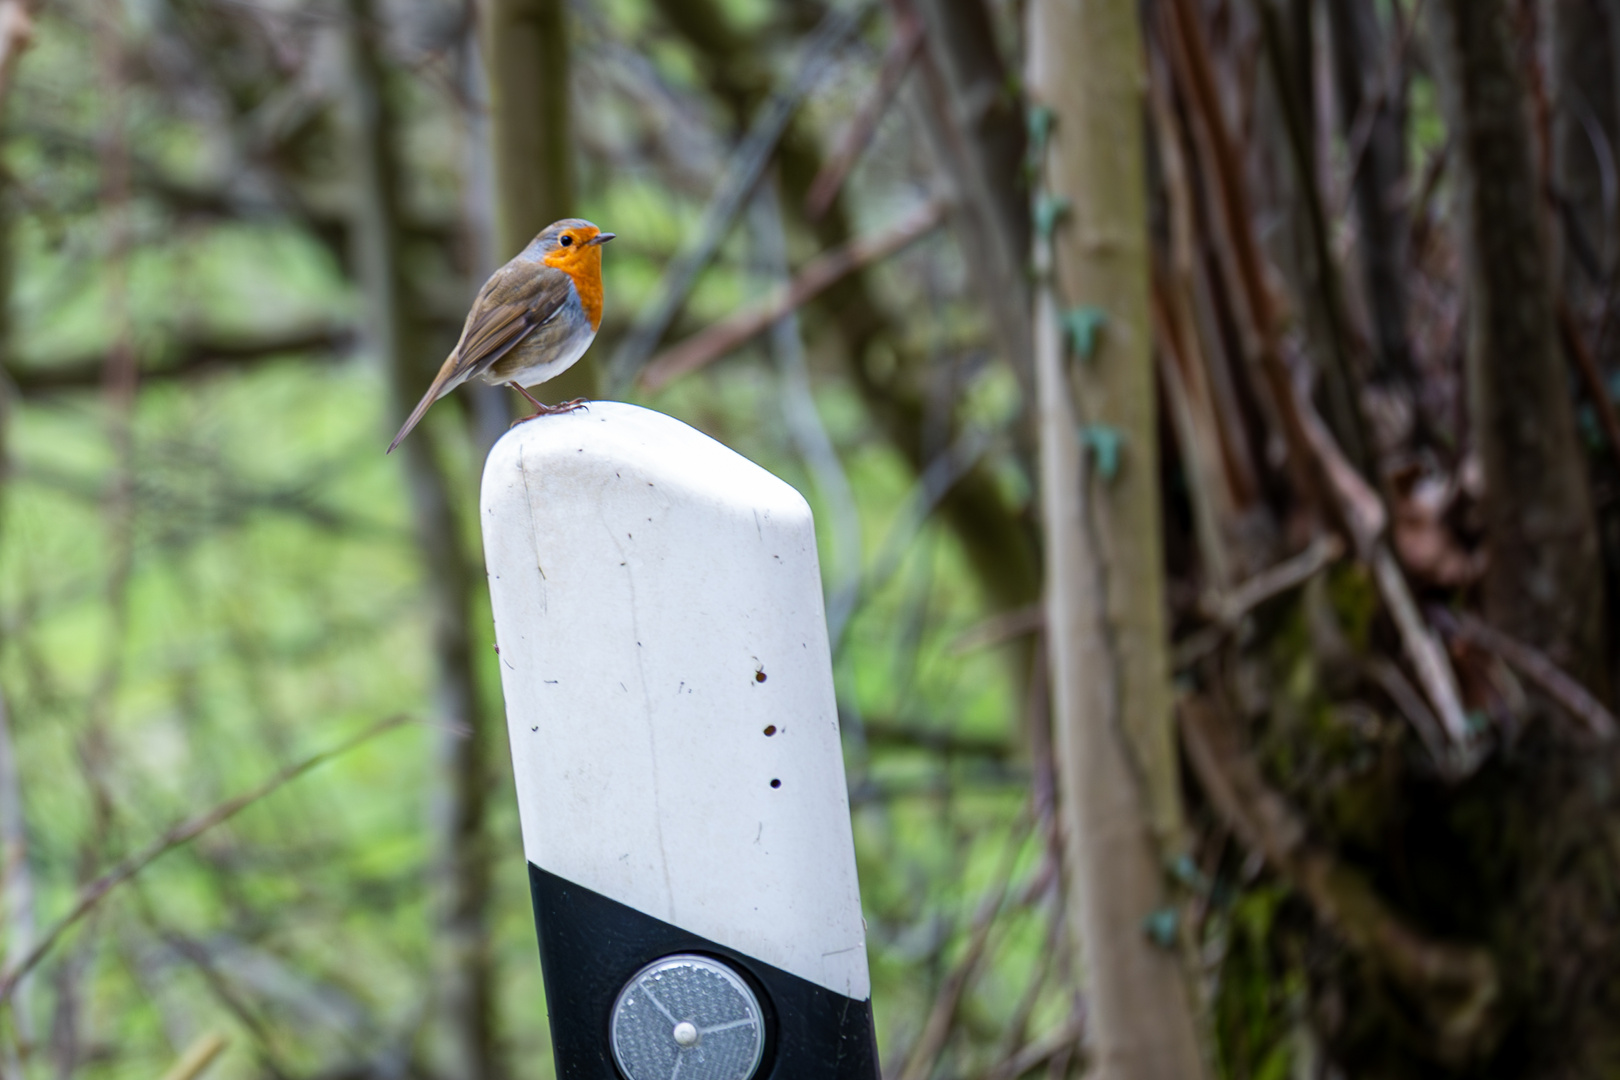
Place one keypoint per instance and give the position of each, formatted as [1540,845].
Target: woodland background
[1208,409]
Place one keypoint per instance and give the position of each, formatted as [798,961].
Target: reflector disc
[689,1017]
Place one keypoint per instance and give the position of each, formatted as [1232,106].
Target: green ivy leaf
[1081,325]
[1040,129]
[1049,209]
[1184,870]
[1105,444]
[1160,927]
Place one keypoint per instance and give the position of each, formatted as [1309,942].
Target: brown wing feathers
[493,328]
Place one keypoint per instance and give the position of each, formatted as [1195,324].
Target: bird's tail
[444,382]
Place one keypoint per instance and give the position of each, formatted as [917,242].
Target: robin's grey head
[569,233]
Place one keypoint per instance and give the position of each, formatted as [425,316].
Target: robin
[532,320]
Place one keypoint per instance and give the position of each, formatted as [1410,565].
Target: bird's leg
[541,408]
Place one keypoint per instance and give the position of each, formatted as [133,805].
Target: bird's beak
[601,238]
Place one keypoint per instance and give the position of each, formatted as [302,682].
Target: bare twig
[902,50]
[1000,627]
[188,356]
[1200,458]
[233,1002]
[198,1056]
[1394,682]
[1228,609]
[1186,334]
[1586,366]
[93,894]
[1361,513]
[1536,666]
[747,166]
[925,1053]
[1428,657]
[824,270]
[1015,1032]
[941,741]
[1039,1052]
[804,421]
[1189,60]
[1322,270]
[1291,573]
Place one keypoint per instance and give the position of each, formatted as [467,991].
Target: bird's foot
[551,410]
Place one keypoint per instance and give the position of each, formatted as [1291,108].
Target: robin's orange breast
[583,264]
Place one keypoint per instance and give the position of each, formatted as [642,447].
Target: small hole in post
[759,676]
[770,729]
[776,783]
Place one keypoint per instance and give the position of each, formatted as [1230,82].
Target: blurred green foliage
[262,597]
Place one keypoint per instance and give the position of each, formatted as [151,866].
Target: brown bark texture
[1538,510]
[1585,127]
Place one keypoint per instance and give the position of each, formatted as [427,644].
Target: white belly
[533,374]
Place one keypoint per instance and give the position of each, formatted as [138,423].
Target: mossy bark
[1106,631]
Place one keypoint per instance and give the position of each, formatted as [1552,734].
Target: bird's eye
[566,240]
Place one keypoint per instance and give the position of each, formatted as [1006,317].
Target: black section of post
[590,946]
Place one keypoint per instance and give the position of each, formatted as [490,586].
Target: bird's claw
[552,410]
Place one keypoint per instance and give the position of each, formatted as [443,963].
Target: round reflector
[687,1016]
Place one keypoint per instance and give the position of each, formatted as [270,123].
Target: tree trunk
[1539,521]
[464,993]
[1537,827]
[526,44]
[1105,562]
[1585,127]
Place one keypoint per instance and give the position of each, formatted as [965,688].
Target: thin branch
[819,274]
[1586,365]
[1536,666]
[1001,627]
[198,1056]
[94,893]
[188,356]
[941,741]
[1042,1050]
[1428,657]
[897,59]
[925,1053]
[746,167]
[1393,682]
[1228,609]
[1187,50]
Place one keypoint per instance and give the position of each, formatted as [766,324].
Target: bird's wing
[516,299]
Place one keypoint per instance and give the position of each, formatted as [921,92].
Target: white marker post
[674,735]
